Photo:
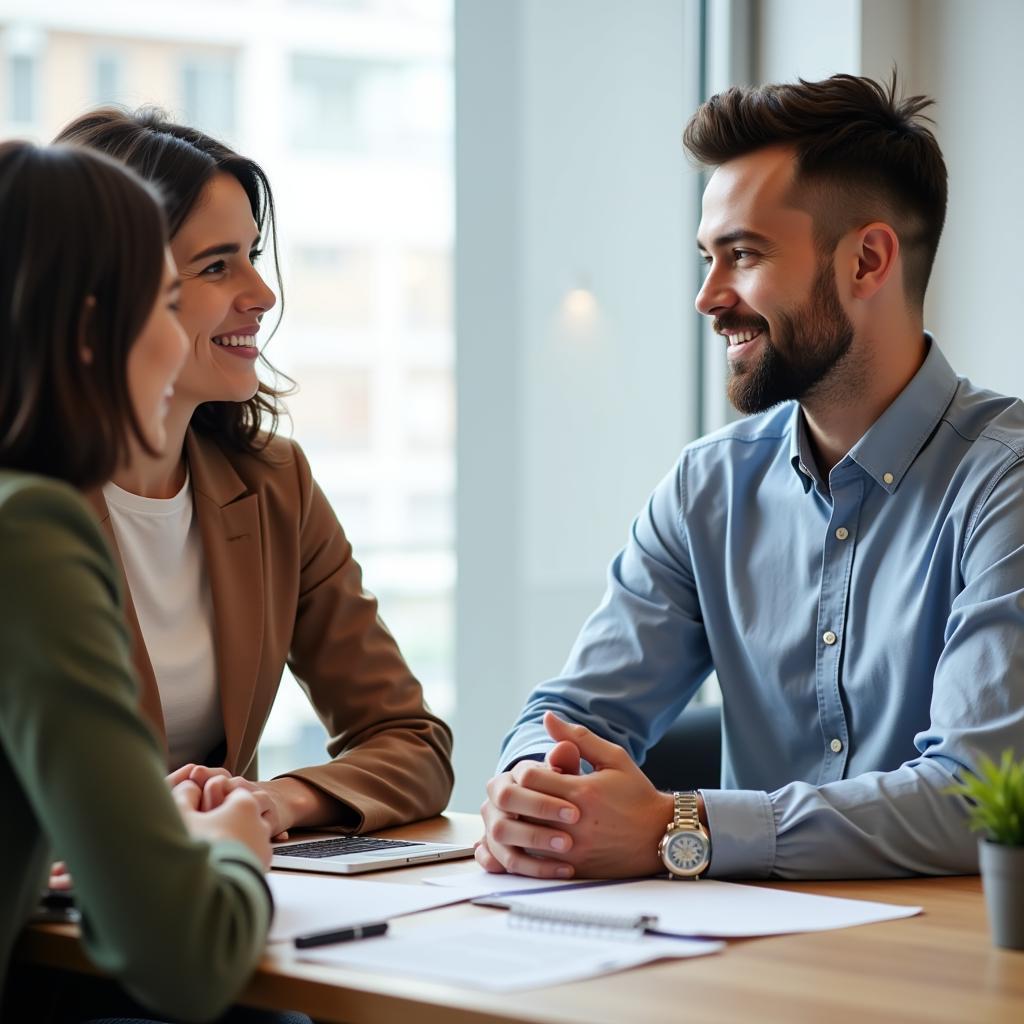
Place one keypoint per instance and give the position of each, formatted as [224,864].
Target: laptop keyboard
[340,847]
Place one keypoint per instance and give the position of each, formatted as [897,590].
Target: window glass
[428,290]
[22,78]
[208,93]
[333,404]
[429,409]
[373,107]
[355,131]
[107,73]
[333,284]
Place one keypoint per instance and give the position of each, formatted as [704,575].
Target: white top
[160,546]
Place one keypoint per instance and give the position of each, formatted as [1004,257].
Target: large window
[352,105]
[208,92]
[22,84]
[347,104]
[108,77]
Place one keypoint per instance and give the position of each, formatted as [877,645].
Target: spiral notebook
[526,948]
[709,908]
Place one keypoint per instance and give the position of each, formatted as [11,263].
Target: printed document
[490,954]
[313,903]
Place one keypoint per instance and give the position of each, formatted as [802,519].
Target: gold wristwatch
[685,848]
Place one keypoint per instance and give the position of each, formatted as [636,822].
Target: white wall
[569,173]
[964,55]
[968,57]
[810,39]
[806,38]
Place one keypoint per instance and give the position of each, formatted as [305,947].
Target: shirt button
[829,637]
[836,746]
[842,533]
[888,477]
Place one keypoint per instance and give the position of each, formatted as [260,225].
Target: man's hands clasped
[547,820]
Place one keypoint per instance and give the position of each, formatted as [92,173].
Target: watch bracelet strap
[687,813]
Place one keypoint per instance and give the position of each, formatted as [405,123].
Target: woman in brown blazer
[236,565]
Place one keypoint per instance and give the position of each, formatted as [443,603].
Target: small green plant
[996,795]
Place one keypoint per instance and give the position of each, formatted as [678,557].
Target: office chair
[689,755]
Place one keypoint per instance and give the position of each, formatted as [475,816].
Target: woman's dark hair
[862,154]
[81,262]
[181,161]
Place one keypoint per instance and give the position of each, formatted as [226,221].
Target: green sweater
[180,922]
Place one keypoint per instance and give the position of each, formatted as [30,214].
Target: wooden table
[939,966]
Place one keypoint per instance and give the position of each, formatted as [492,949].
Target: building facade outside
[348,106]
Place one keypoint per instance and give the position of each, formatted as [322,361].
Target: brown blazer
[286,589]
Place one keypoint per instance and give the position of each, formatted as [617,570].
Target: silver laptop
[349,855]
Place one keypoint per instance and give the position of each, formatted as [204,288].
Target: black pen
[360,931]
[57,899]
[57,907]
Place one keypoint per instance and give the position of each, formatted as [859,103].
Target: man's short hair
[862,153]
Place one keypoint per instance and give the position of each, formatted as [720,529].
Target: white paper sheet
[721,909]
[491,955]
[314,903]
[477,882]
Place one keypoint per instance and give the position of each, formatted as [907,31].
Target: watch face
[687,852]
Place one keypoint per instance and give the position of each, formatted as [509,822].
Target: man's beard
[808,344]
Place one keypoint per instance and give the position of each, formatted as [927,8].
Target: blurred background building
[348,106]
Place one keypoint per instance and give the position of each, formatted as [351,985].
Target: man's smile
[741,341]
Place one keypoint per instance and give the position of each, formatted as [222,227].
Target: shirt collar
[894,440]
[800,455]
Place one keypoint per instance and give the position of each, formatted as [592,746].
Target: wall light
[579,305]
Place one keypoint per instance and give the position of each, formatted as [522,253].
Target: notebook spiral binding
[594,925]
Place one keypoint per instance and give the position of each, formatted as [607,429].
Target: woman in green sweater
[173,902]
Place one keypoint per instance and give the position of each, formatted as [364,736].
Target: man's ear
[877,253]
[85,352]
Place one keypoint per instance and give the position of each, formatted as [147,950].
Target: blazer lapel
[149,694]
[229,523]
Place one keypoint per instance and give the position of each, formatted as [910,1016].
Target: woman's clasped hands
[216,784]
[214,804]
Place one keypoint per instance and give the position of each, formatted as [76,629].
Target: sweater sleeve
[180,922]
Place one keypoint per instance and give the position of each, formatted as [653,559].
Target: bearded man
[849,558]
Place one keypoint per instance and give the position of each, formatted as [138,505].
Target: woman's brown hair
[81,261]
[181,161]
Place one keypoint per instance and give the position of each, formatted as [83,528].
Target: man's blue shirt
[867,631]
